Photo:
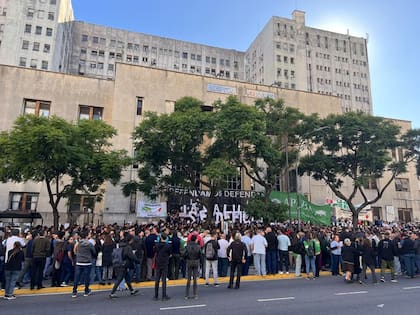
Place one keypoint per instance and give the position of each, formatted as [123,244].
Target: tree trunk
[56,218]
[355,217]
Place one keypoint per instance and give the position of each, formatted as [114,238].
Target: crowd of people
[174,249]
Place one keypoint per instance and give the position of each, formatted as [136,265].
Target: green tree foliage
[357,147]
[67,157]
[411,141]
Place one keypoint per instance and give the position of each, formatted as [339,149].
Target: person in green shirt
[309,244]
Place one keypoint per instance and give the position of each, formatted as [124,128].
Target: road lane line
[181,307]
[411,288]
[276,299]
[350,293]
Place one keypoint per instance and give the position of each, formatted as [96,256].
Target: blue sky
[392,26]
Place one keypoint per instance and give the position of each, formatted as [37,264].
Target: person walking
[348,253]
[192,257]
[368,260]
[163,253]
[13,265]
[386,253]
[236,253]
[123,263]
[85,251]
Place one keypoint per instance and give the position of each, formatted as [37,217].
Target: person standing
[211,249]
[175,260]
[192,256]
[246,239]
[258,248]
[163,253]
[309,244]
[299,252]
[348,253]
[11,240]
[283,247]
[408,253]
[128,259]
[28,261]
[12,268]
[58,258]
[236,253]
[41,248]
[149,246]
[271,252]
[335,247]
[85,253]
[222,261]
[107,248]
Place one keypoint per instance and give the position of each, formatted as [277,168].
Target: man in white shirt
[10,241]
[223,262]
[283,247]
[247,241]
[258,248]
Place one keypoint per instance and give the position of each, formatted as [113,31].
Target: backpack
[310,251]
[210,252]
[117,257]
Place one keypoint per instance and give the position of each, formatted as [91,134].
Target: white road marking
[411,288]
[276,299]
[380,305]
[181,307]
[350,293]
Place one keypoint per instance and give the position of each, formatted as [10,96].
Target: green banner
[308,211]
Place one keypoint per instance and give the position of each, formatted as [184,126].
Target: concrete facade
[289,54]
[158,90]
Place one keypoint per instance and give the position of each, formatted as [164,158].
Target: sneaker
[113,296]
[216,285]
[394,280]
[206,284]
[280,272]
[186,298]
[10,297]
[63,284]
[382,279]
[87,293]
[195,297]
[74,295]
[134,292]
[287,272]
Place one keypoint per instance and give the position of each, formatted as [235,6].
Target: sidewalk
[150,284]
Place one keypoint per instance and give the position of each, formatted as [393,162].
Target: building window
[38,30]
[90,112]
[51,16]
[234,182]
[110,67]
[44,65]
[36,46]
[25,44]
[81,203]
[85,38]
[53,2]
[95,40]
[49,31]
[139,108]
[402,184]
[23,201]
[28,28]
[47,48]
[22,62]
[371,184]
[34,63]
[405,215]
[36,107]
[100,65]
[213,60]
[184,55]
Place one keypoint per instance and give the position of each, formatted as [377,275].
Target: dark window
[139,108]
[23,201]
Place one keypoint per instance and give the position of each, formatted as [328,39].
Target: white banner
[151,209]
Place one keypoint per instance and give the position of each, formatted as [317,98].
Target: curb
[150,284]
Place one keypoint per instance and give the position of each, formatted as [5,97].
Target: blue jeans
[245,267]
[11,277]
[409,260]
[222,268]
[66,271]
[259,263]
[283,258]
[82,272]
[335,259]
[137,269]
[271,261]
[418,264]
[310,265]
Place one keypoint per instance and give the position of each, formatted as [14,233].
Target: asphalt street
[326,295]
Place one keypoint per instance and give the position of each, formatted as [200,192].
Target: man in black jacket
[122,271]
[163,253]
[192,256]
[386,253]
[236,253]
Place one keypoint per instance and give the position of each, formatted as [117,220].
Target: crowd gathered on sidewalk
[115,254]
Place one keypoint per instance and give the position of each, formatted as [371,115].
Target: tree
[411,140]
[173,151]
[355,147]
[66,157]
[262,140]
